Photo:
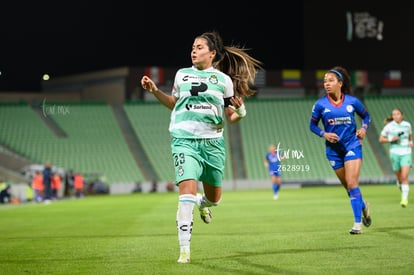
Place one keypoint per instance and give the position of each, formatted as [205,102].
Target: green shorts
[199,159]
[397,161]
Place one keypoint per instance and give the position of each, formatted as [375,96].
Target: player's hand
[237,105]
[361,133]
[236,101]
[331,137]
[148,84]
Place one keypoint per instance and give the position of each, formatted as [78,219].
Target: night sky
[65,37]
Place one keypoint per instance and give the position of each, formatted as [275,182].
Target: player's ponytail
[235,62]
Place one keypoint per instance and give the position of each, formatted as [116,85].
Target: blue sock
[362,201]
[275,188]
[356,203]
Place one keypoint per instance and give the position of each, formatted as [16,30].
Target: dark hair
[235,62]
[342,75]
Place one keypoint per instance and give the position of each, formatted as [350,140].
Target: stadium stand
[94,143]
[150,123]
[88,137]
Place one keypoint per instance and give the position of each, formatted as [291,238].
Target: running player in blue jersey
[272,163]
[203,97]
[343,140]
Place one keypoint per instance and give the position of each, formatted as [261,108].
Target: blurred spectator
[29,193]
[56,184]
[138,188]
[154,186]
[38,187]
[5,196]
[78,183]
[101,188]
[68,189]
[47,182]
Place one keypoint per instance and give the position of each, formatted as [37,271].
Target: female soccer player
[272,163]
[398,133]
[343,141]
[203,96]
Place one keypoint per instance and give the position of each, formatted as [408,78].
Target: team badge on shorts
[180,171]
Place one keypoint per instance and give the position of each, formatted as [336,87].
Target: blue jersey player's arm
[314,121]
[363,114]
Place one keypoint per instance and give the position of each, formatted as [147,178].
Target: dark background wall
[70,37]
[366,35]
[66,37]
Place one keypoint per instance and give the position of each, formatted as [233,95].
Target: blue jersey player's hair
[343,76]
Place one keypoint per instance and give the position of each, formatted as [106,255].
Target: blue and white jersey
[273,159]
[340,119]
[199,111]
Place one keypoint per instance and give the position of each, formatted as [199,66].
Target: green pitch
[304,232]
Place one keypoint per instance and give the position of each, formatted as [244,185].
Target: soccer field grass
[304,232]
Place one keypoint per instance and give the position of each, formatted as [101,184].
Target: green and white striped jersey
[403,129]
[199,111]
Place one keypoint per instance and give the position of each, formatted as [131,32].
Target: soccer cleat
[205,214]
[354,231]
[366,219]
[275,196]
[184,257]
[404,203]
